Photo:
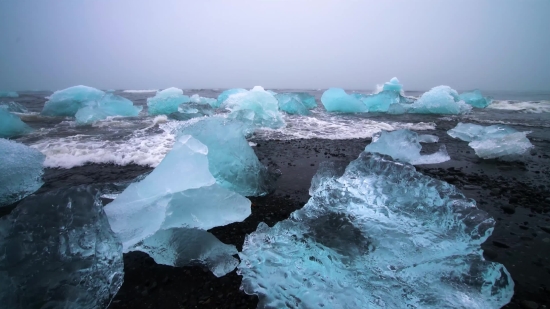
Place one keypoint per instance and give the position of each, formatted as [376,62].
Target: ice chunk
[68,101]
[393,85]
[296,102]
[231,159]
[404,146]
[58,252]
[166,101]
[20,171]
[13,107]
[381,101]
[8,94]
[380,236]
[224,95]
[440,100]
[476,99]
[496,141]
[256,106]
[202,100]
[192,110]
[11,125]
[109,105]
[337,100]
[427,138]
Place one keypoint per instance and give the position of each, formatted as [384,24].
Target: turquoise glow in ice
[256,106]
[393,85]
[108,105]
[296,103]
[202,100]
[166,101]
[11,125]
[13,107]
[476,99]
[337,100]
[439,100]
[224,95]
[8,94]
[68,101]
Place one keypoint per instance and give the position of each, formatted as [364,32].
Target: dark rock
[500,244]
[508,209]
[545,228]
[490,255]
[527,304]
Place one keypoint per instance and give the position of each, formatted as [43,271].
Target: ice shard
[476,99]
[58,252]
[337,100]
[109,105]
[439,100]
[166,101]
[227,93]
[380,236]
[256,106]
[490,142]
[68,101]
[20,171]
[13,107]
[404,146]
[230,158]
[8,94]
[11,125]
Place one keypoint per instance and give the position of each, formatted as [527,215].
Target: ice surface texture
[256,106]
[404,146]
[393,85]
[166,101]
[496,141]
[202,100]
[379,102]
[20,171]
[108,105]
[58,252]
[224,95]
[476,99]
[337,100]
[380,236]
[439,100]
[11,125]
[68,101]
[8,94]
[296,102]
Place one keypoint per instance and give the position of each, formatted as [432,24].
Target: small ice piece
[14,107]
[256,106]
[166,101]
[393,85]
[11,125]
[296,102]
[337,100]
[380,236]
[202,100]
[192,110]
[440,100]
[404,145]
[224,95]
[20,171]
[381,101]
[8,94]
[58,252]
[427,138]
[109,105]
[476,99]
[68,101]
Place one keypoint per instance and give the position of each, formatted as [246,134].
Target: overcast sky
[355,44]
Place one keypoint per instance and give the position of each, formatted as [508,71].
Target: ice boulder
[379,102]
[439,100]
[8,94]
[393,85]
[202,100]
[68,101]
[404,146]
[13,107]
[226,94]
[256,106]
[11,125]
[109,105]
[20,171]
[476,99]
[380,236]
[231,160]
[166,101]
[337,100]
[58,252]
[490,142]
[296,103]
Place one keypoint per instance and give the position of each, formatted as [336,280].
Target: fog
[139,44]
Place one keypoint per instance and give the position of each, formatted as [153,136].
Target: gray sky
[142,44]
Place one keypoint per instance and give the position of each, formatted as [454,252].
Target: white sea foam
[140,91]
[526,107]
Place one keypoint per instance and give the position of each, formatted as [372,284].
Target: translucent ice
[380,236]
[256,106]
[68,101]
[224,95]
[337,100]
[166,101]
[11,125]
[496,141]
[393,85]
[231,159]
[291,104]
[20,171]
[58,252]
[476,99]
[8,94]
[202,100]
[108,105]
[379,102]
[192,110]
[404,146]
[440,100]
[13,107]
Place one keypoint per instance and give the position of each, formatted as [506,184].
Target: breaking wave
[526,107]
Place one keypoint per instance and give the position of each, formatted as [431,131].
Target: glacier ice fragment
[337,100]
[379,102]
[8,94]
[439,100]
[68,101]
[380,236]
[109,105]
[11,125]
[393,85]
[20,171]
[476,99]
[13,107]
[291,104]
[166,101]
[224,95]
[256,106]
[404,145]
[202,100]
[58,252]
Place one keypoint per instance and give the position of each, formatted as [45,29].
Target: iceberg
[393,85]
[202,100]
[256,106]
[496,141]
[226,94]
[68,101]
[476,99]
[109,105]
[382,235]
[8,94]
[337,100]
[13,107]
[58,252]
[231,160]
[11,125]
[21,171]
[439,100]
[404,146]
[166,101]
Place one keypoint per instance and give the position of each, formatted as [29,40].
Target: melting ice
[256,106]
[296,102]
[11,125]
[166,101]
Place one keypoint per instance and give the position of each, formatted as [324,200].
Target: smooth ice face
[380,236]
[379,102]
[291,104]
[202,100]
[59,252]
[393,85]
[109,105]
[476,99]
[337,100]
[13,107]
[192,110]
[20,171]
[68,101]
[231,159]
[8,94]
[11,125]
[439,100]
[404,146]
[224,95]
[256,106]
[166,101]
